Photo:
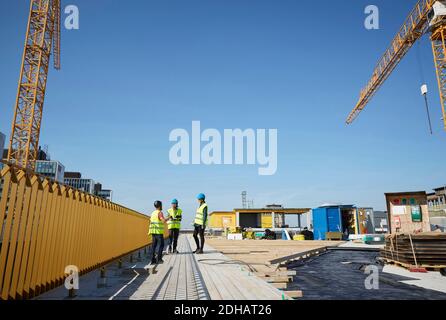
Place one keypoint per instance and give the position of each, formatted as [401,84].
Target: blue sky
[138,69]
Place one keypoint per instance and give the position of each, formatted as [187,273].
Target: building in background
[437,208]
[437,200]
[102,193]
[72,175]
[379,222]
[105,194]
[51,169]
[270,217]
[2,142]
[2,147]
[75,180]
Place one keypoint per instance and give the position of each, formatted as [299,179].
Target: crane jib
[414,27]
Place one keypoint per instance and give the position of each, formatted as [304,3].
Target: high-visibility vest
[175,223]
[199,217]
[156,225]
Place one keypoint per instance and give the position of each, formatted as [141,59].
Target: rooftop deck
[183,276]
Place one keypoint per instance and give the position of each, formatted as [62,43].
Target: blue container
[326,219]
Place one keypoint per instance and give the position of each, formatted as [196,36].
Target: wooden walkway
[177,278]
[211,275]
[183,276]
[228,279]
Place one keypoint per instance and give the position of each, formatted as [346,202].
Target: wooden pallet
[409,258]
[411,266]
[425,249]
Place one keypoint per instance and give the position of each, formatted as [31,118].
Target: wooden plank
[299,255]
[233,280]
[278,273]
[294,294]
[280,285]
[274,279]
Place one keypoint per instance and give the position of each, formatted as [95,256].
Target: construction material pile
[426,250]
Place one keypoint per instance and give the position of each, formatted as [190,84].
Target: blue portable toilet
[328,219]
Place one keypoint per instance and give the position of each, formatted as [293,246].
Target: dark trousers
[199,230]
[173,238]
[157,241]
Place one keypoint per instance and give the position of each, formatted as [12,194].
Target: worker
[309,235]
[156,229]
[174,225]
[200,223]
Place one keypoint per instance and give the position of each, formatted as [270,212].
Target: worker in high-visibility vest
[174,224]
[200,223]
[156,229]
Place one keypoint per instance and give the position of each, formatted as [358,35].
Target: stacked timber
[422,250]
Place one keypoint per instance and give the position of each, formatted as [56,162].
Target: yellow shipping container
[222,220]
[267,220]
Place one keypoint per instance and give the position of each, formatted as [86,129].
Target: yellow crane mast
[42,35]
[428,15]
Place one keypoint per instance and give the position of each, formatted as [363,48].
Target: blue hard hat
[174,201]
[201,196]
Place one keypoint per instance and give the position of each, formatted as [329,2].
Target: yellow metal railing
[46,226]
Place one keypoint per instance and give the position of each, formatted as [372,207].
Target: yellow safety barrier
[48,226]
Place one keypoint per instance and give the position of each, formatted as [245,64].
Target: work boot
[200,251]
[153,261]
[169,250]
[196,250]
[175,251]
[160,261]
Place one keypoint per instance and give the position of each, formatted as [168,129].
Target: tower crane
[426,16]
[42,37]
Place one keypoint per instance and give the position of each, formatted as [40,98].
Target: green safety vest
[156,225]
[199,217]
[175,223]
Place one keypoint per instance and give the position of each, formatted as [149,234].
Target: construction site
[65,241]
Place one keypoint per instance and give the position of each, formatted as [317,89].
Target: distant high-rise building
[72,175]
[105,194]
[51,169]
[43,154]
[75,180]
[102,193]
[2,147]
[2,141]
[85,185]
